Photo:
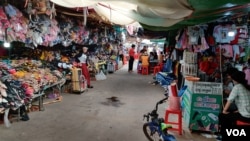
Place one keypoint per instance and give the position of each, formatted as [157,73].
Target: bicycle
[155,129]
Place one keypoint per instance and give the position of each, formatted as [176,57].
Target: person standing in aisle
[131,58]
[83,58]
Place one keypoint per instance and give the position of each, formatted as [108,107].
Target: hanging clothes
[227,50]
[221,33]
[194,33]
[236,50]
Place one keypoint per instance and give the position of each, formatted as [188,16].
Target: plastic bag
[100,76]
[6,119]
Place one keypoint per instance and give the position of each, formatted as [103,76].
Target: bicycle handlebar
[161,101]
[154,112]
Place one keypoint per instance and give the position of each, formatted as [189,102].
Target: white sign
[205,87]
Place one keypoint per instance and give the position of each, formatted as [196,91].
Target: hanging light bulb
[6,44]
[231,34]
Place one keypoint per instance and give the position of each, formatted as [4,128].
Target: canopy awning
[162,15]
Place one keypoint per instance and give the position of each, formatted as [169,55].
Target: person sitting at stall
[228,86]
[144,49]
[240,94]
[139,57]
[160,57]
[155,54]
[151,56]
[144,59]
[207,68]
[166,76]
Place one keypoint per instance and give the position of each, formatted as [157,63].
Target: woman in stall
[141,53]
[207,69]
[144,59]
[209,65]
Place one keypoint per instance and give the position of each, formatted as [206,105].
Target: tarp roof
[159,15]
[151,12]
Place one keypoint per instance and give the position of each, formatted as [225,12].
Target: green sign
[201,111]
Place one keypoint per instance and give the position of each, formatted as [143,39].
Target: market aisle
[91,116]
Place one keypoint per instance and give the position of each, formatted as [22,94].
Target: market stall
[202,102]
[24,82]
[207,52]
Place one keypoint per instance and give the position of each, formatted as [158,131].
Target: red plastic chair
[144,70]
[179,120]
[161,66]
[238,122]
[157,69]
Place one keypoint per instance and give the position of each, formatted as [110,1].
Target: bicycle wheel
[151,134]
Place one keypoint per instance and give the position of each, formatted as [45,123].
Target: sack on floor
[100,76]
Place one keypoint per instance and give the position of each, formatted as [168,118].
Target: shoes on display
[89,86]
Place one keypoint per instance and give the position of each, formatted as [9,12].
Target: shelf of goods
[26,80]
[201,104]
[39,95]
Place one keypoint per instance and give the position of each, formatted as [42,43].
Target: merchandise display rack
[39,95]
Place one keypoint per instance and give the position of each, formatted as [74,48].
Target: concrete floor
[92,117]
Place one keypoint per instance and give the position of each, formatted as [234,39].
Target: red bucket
[173,90]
